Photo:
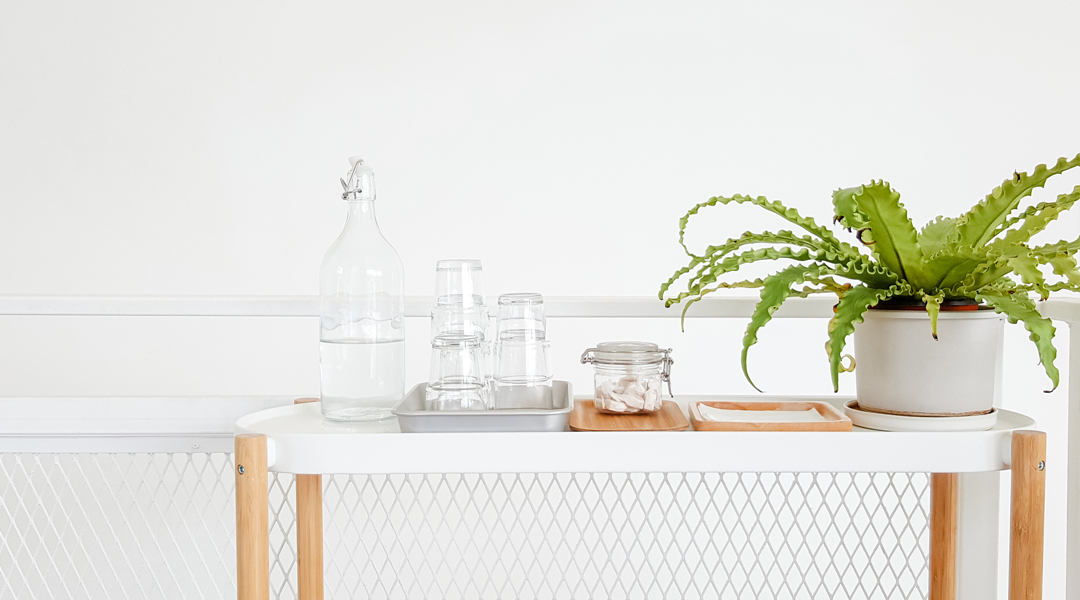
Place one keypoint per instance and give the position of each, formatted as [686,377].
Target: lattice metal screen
[161,526]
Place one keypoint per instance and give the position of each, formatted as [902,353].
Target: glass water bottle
[362,336]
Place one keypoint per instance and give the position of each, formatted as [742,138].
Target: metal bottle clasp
[666,374]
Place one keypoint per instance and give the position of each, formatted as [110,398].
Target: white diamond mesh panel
[116,526]
[626,536]
[161,526]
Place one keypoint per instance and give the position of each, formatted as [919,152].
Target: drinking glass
[449,320]
[522,374]
[521,317]
[459,299]
[459,282]
[457,380]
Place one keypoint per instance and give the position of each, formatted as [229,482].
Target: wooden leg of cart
[944,492]
[252,519]
[1028,507]
[309,533]
[309,539]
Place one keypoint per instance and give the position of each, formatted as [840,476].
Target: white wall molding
[740,306]
[415,306]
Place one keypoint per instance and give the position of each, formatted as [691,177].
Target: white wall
[195,148]
[192,148]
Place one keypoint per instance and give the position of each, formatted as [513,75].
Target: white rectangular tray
[412,418]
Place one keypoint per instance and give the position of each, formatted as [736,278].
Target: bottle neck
[361,216]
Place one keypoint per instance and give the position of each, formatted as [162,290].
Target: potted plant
[958,274]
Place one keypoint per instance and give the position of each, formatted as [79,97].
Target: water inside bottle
[361,380]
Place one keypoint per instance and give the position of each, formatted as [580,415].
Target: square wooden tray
[586,418]
[834,419]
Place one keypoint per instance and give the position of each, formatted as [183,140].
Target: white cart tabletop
[301,441]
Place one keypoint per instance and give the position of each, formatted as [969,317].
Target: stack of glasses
[459,377]
[462,374]
[522,365]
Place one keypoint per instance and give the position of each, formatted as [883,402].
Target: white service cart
[296,439]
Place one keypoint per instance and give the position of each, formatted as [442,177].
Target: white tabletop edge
[859,451]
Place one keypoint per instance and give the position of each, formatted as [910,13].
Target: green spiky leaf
[1018,307]
[777,289]
[714,270]
[950,268]
[979,225]
[1058,247]
[933,308]
[895,241]
[849,311]
[1027,267]
[1057,286]
[789,214]
[1035,219]
[937,235]
[1065,265]
[847,210]
[783,237]
[749,283]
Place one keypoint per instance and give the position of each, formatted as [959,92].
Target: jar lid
[627,353]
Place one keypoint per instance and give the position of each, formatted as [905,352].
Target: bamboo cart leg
[944,488]
[252,519]
[1028,507]
[309,533]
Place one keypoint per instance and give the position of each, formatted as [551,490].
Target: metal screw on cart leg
[240,469]
[1042,465]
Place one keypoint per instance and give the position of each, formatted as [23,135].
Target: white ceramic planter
[901,369]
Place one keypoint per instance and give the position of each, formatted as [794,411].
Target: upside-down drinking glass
[456,380]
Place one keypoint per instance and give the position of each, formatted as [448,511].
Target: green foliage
[937,235]
[979,225]
[1034,220]
[774,291]
[983,254]
[876,208]
[1065,265]
[1018,307]
[849,311]
[789,214]
[933,308]
[1027,267]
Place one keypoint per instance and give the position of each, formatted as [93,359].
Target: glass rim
[455,340]
[453,307]
[521,299]
[458,264]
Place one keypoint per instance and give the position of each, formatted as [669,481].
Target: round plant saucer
[886,422]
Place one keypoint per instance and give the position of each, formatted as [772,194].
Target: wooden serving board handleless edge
[585,417]
[834,419]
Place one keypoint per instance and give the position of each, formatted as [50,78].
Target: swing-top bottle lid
[359,184]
